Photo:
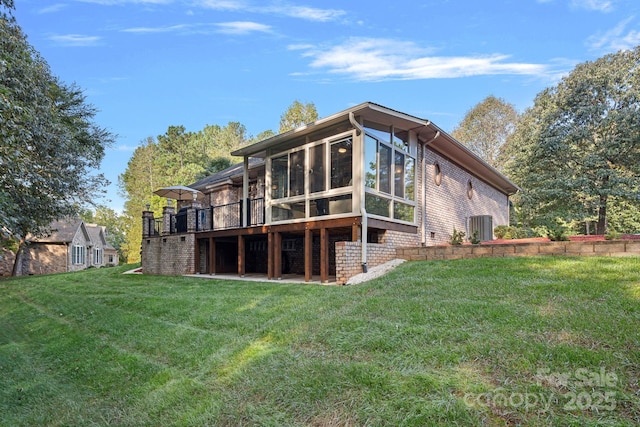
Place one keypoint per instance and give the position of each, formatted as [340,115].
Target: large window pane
[410,179]
[385,169]
[382,132]
[341,163]
[398,174]
[403,212]
[296,173]
[401,139]
[316,169]
[370,162]
[279,177]
[376,205]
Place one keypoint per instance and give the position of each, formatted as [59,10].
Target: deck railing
[221,217]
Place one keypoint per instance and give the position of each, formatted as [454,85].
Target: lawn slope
[536,341]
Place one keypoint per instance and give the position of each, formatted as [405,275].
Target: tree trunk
[602,216]
[17,262]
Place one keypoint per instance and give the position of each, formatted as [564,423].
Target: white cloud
[383,59]
[75,39]
[617,38]
[306,12]
[598,5]
[169,29]
[242,27]
[238,27]
[52,8]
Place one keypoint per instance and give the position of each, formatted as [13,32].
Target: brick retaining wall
[588,248]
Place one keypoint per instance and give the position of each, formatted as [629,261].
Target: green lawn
[509,341]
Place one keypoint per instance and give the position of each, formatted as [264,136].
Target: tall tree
[578,148]
[486,127]
[298,114]
[50,145]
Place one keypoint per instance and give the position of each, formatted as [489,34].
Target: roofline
[261,146]
[497,179]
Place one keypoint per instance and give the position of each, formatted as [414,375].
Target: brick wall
[349,258]
[42,258]
[170,255]
[593,248]
[7,259]
[448,205]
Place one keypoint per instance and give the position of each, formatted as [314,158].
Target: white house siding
[447,204]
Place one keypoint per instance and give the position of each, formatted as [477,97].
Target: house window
[370,162]
[110,258]
[97,256]
[279,177]
[437,174]
[341,163]
[78,255]
[389,173]
[296,173]
[317,180]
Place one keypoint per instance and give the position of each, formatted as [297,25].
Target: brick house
[72,245]
[330,199]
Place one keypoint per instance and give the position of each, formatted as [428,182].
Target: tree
[578,148]
[298,114]
[486,127]
[107,217]
[49,143]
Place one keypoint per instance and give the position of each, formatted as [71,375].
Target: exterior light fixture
[342,150]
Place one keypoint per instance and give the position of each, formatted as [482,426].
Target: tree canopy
[577,150]
[298,114]
[486,127]
[50,145]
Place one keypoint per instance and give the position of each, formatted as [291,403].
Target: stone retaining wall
[593,248]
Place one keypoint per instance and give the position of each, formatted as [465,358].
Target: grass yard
[533,341]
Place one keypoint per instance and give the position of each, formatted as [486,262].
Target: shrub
[457,237]
[475,239]
[557,233]
[612,234]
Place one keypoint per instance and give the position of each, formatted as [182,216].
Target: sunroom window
[389,173]
[341,163]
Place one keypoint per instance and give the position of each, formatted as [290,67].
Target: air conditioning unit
[483,224]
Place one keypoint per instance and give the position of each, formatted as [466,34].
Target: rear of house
[329,200]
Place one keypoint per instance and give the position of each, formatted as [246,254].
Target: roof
[428,133]
[62,231]
[225,175]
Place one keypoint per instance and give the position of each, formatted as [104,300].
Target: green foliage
[557,233]
[298,114]
[486,127]
[513,232]
[50,146]
[575,152]
[475,239]
[457,237]
[417,347]
[612,234]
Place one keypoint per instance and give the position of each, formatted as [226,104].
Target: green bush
[475,239]
[457,237]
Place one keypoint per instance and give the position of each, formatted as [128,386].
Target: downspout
[363,211]
[423,225]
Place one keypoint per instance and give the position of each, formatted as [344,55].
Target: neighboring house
[330,199]
[71,246]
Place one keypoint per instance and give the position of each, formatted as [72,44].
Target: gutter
[423,225]
[363,211]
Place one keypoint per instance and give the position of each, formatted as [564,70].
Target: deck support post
[308,255]
[241,252]
[324,255]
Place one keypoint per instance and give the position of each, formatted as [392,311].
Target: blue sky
[149,64]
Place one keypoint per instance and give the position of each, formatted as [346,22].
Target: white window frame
[78,255]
